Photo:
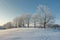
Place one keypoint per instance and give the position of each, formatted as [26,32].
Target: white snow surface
[30,34]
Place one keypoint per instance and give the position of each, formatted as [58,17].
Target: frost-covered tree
[15,21]
[27,19]
[46,15]
[8,25]
[19,21]
[22,20]
[35,18]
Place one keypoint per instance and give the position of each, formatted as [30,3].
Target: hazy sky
[9,9]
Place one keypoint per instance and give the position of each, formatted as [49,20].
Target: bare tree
[8,25]
[15,21]
[35,19]
[22,20]
[19,21]
[27,19]
[46,15]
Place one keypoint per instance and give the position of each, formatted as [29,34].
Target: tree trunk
[28,23]
[34,24]
[23,24]
[44,24]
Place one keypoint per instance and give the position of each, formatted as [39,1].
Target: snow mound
[30,34]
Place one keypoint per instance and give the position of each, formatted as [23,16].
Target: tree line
[43,17]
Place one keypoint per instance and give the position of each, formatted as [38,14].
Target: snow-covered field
[29,34]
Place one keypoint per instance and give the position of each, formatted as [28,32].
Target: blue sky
[9,9]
